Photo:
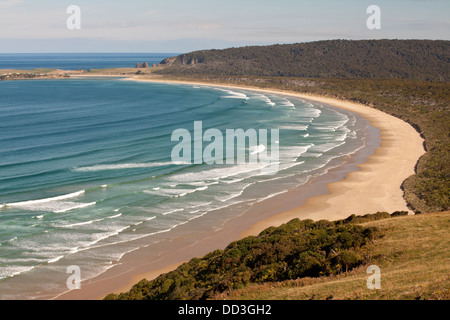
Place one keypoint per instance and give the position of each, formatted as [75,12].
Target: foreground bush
[294,250]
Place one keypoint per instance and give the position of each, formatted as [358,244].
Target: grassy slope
[414,257]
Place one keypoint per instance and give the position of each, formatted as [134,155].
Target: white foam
[220,173]
[290,165]
[325,128]
[258,149]
[172,211]
[271,195]
[310,112]
[198,204]
[67,206]
[351,121]
[287,103]
[9,272]
[234,180]
[46,200]
[292,153]
[267,100]
[331,125]
[342,136]
[55,259]
[234,94]
[326,147]
[235,195]
[172,192]
[108,235]
[298,127]
[53,204]
[79,224]
[104,167]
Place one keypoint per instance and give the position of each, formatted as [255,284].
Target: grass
[413,255]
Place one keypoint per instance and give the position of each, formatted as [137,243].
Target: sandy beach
[365,184]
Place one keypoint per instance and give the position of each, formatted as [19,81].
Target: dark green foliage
[296,249]
[400,213]
[412,59]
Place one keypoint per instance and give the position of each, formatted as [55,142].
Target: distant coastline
[28,74]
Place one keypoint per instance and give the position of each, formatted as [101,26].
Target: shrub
[299,248]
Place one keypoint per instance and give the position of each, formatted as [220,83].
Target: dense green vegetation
[294,250]
[401,59]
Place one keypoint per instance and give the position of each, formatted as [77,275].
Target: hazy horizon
[139,26]
[177,53]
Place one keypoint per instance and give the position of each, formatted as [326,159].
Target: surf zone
[235,147]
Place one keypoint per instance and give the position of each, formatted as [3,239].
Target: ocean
[78,61]
[86,170]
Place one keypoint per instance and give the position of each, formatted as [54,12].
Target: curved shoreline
[375,185]
[394,132]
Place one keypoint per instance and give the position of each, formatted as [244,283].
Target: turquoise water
[86,168]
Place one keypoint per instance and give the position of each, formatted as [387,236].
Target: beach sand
[357,187]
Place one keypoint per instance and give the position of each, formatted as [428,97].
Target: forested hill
[404,59]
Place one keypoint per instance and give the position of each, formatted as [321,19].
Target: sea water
[76,61]
[86,168]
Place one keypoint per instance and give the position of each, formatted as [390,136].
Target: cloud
[154,26]
[150,12]
[203,25]
[9,3]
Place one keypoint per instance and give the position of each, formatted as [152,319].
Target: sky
[177,26]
